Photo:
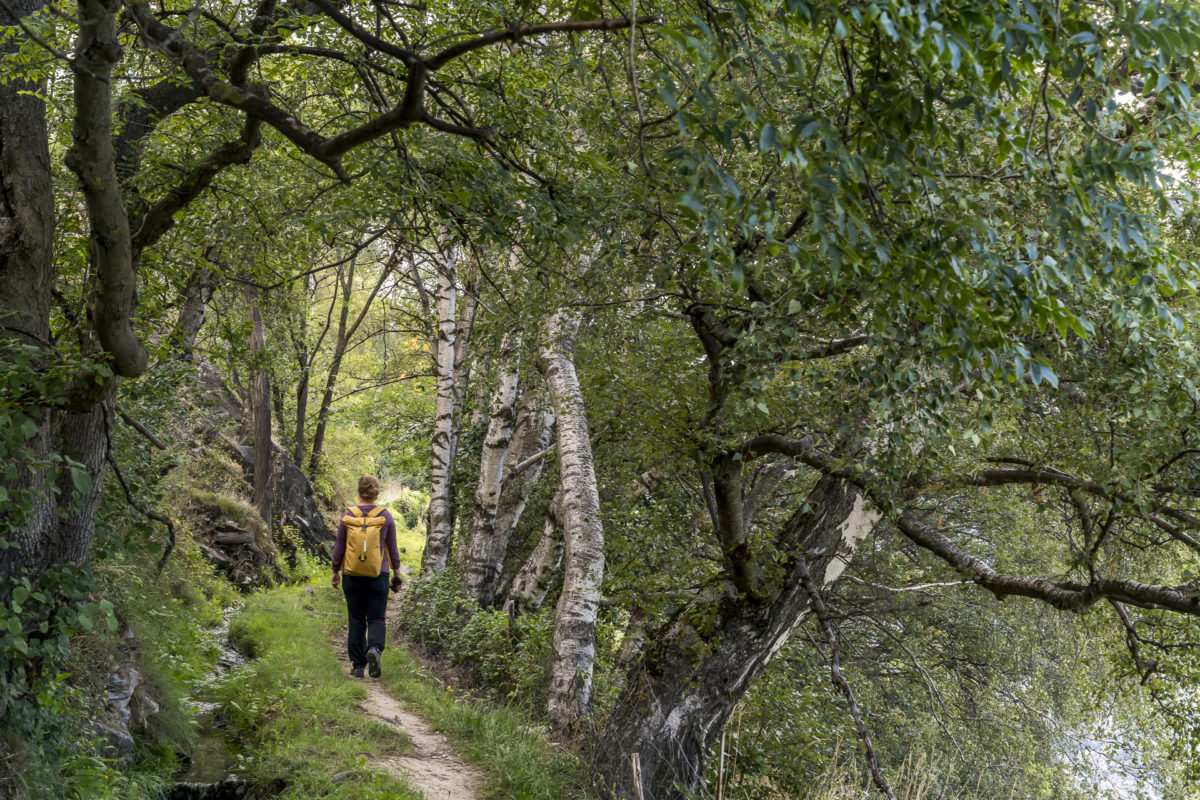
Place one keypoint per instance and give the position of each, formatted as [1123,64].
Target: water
[214,756]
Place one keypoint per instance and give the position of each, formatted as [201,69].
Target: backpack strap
[354,511]
[375,511]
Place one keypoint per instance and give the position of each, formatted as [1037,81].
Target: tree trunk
[26,280]
[535,425]
[280,411]
[344,335]
[335,366]
[60,531]
[440,530]
[678,696]
[574,643]
[480,566]
[201,285]
[529,588]
[462,364]
[261,409]
[26,204]
[301,413]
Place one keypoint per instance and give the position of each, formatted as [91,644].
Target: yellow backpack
[363,531]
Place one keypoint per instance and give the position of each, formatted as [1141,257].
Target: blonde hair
[368,487]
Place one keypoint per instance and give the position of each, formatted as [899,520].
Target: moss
[219,506]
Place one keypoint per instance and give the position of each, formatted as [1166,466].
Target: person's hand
[396,583]
[334,579]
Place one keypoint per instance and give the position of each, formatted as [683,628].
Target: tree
[212,62]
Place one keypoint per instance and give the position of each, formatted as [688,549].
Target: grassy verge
[294,708]
[296,711]
[515,756]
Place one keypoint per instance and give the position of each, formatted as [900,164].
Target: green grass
[412,539]
[517,760]
[295,710]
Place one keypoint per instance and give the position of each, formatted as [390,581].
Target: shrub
[507,662]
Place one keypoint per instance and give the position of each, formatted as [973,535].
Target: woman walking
[365,546]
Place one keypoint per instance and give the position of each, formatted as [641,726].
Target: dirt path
[432,766]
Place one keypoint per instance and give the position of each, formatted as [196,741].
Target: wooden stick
[637,775]
[721,770]
[142,429]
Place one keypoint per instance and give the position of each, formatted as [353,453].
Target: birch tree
[479,563]
[574,642]
[440,530]
[533,580]
[530,444]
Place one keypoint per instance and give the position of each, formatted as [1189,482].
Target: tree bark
[531,584]
[462,364]
[535,426]
[26,203]
[201,286]
[41,537]
[261,410]
[440,531]
[696,668]
[479,565]
[574,642]
[92,160]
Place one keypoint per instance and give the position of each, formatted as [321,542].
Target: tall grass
[294,709]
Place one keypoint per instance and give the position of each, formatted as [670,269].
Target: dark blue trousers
[366,602]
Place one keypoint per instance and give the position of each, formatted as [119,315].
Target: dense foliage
[922,267]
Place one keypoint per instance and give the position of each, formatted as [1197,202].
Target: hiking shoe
[356,672]
[373,663]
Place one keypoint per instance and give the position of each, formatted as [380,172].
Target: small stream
[210,774]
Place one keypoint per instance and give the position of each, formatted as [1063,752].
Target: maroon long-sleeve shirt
[387,541]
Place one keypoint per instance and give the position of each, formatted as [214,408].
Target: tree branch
[142,429]
[91,159]
[1063,595]
[159,218]
[517,32]
[839,680]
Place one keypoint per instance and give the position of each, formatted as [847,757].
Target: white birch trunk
[440,529]
[479,556]
[535,427]
[462,364]
[533,581]
[574,642]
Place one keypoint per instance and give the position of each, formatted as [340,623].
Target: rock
[118,742]
[294,497]
[214,555]
[141,708]
[232,788]
[113,725]
[310,591]
[119,685]
[339,777]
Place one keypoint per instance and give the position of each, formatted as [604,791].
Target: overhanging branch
[1064,595]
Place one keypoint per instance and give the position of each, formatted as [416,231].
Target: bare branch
[839,680]
[142,429]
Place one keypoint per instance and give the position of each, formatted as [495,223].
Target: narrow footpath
[432,766]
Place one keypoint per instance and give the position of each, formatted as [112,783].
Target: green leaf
[81,479]
[766,139]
